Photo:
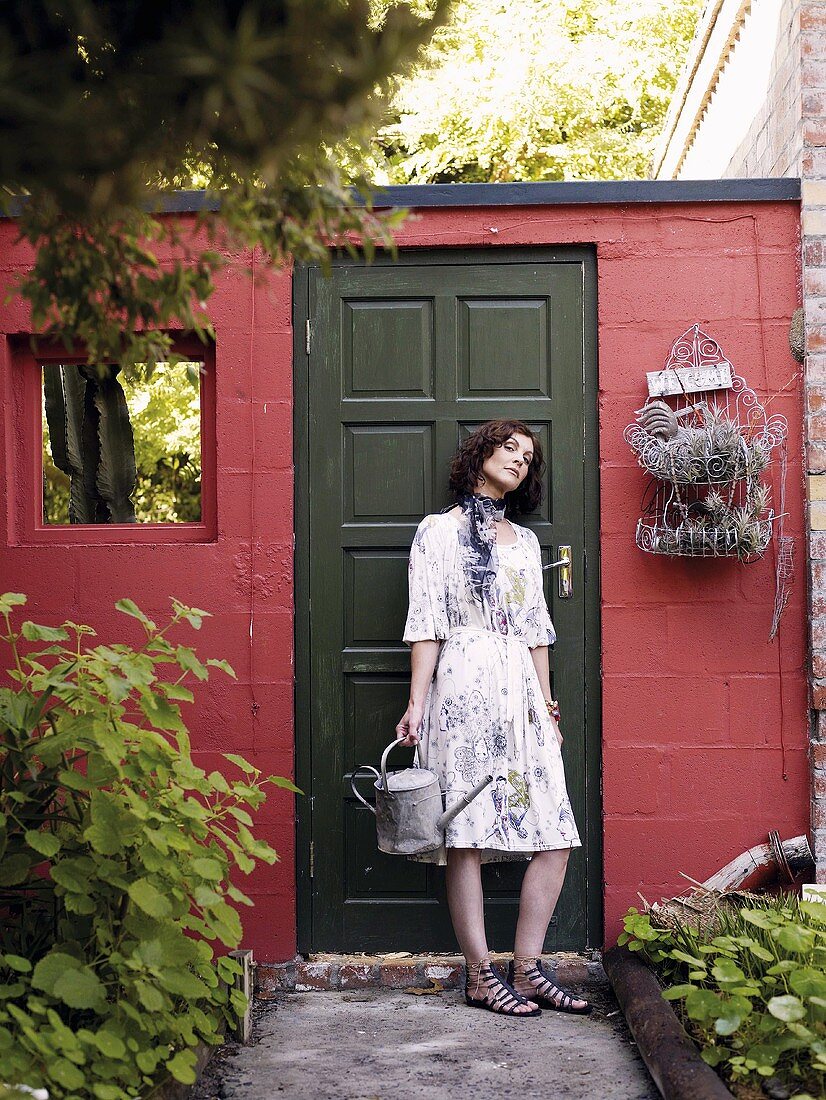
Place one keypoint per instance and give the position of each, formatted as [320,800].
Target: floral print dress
[484,713]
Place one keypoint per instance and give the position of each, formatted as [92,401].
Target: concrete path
[383,1044]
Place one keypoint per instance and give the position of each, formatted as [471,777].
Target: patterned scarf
[478,539]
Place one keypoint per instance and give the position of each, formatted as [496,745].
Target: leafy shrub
[752,988]
[115,861]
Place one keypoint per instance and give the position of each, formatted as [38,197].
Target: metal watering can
[410,814]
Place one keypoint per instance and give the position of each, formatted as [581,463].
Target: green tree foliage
[539,90]
[119,859]
[105,101]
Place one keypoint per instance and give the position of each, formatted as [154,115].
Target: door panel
[407,359]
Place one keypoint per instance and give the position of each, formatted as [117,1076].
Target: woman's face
[507,467]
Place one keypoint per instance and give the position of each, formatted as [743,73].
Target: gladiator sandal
[497,995]
[545,993]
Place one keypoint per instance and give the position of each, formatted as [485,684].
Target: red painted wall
[704,721]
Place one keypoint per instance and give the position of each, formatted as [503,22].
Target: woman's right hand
[408,729]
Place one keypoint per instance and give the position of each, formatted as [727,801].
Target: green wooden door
[404,359]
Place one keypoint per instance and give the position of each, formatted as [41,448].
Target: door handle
[565,566]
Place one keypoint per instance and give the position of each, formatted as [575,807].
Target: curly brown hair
[466,467]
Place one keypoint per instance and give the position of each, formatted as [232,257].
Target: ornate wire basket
[705,449]
[718,440]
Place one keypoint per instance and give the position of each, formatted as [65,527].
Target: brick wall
[813,189]
[774,144]
[739,114]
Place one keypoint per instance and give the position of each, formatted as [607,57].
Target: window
[118,450]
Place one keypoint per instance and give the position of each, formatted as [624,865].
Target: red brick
[814,132]
[816,395]
[815,338]
[354,975]
[570,972]
[814,280]
[697,845]
[813,74]
[819,697]
[274,978]
[315,975]
[816,364]
[812,17]
[449,974]
[812,43]
[398,975]
[816,458]
[813,253]
[814,104]
[818,628]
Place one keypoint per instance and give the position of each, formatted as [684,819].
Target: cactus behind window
[91,440]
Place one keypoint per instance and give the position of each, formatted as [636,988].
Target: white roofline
[716,33]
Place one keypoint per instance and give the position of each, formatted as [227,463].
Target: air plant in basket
[713,449]
[716,526]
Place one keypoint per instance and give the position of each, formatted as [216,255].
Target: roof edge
[573,193]
[578,192]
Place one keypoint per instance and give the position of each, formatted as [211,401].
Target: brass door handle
[565,566]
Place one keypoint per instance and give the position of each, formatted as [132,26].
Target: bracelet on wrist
[553,708]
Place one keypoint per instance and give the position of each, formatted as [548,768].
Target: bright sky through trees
[538,90]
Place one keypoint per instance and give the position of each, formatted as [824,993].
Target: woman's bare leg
[467,911]
[541,887]
[465,901]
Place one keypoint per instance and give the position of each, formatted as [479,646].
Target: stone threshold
[399,970]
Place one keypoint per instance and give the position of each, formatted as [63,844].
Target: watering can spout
[465,800]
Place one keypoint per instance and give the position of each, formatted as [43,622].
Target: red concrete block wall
[243,575]
[705,723]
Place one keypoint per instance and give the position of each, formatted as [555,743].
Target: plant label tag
[670,383]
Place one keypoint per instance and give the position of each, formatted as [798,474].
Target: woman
[480,703]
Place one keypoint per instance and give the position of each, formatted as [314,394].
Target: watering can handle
[363,801]
[384,756]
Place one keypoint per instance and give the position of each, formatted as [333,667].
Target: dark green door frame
[592,827]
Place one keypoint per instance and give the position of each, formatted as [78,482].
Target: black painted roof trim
[549,194]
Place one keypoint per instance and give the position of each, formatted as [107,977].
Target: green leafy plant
[751,985]
[116,856]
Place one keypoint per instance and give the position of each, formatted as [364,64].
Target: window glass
[118,450]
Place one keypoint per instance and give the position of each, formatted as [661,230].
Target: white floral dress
[484,712]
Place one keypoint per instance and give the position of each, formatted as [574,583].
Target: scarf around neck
[478,538]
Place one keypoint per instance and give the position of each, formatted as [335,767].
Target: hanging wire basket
[696,528]
[705,448]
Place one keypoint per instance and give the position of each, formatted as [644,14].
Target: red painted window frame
[26,499]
